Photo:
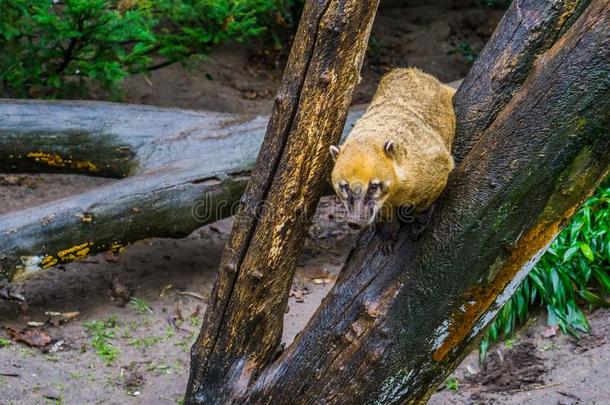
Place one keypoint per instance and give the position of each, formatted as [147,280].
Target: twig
[535,387]
[10,375]
[192,294]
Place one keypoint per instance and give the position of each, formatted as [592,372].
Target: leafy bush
[190,27]
[49,48]
[57,49]
[575,269]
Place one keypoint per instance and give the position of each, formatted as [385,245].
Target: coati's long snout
[361,207]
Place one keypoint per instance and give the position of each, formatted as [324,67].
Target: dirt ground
[171,279]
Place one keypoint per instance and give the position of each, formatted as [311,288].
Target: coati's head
[363,177]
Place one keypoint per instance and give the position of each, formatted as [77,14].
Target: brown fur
[414,111]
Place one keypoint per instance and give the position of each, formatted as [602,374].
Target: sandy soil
[173,278]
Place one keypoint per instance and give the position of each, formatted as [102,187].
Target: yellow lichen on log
[56,160]
[74,252]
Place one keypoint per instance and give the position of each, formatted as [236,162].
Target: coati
[399,153]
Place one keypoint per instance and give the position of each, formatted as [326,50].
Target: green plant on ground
[61,48]
[574,270]
[140,306]
[101,333]
[145,342]
[4,342]
[452,384]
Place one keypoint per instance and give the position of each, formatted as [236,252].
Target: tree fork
[243,323]
[393,327]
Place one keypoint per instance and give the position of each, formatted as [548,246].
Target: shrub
[575,269]
[49,48]
[57,49]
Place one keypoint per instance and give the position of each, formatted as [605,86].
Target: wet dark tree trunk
[394,326]
[243,322]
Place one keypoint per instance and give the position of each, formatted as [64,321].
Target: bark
[243,322]
[528,29]
[171,203]
[162,197]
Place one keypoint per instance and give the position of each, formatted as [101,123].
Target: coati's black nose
[354,225]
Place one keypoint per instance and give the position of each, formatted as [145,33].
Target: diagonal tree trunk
[393,326]
[243,322]
[528,28]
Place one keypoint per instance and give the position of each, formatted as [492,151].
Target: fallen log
[164,197]
[120,140]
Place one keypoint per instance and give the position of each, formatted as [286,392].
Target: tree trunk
[243,322]
[163,197]
[394,326]
[528,29]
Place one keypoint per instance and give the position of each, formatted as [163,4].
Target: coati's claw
[387,247]
[387,232]
[422,222]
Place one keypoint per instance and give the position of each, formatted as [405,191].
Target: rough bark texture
[528,28]
[164,197]
[243,323]
[394,326]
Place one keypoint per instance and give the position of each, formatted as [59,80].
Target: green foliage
[145,342]
[101,334]
[59,49]
[452,384]
[140,305]
[4,342]
[49,49]
[575,269]
[190,27]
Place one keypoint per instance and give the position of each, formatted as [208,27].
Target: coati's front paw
[387,233]
[422,221]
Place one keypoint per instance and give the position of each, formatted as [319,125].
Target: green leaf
[586,251]
[567,255]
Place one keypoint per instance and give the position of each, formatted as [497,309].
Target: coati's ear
[389,148]
[334,152]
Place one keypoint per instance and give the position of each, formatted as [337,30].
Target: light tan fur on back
[412,117]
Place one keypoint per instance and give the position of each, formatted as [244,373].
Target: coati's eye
[343,186]
[374,186]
